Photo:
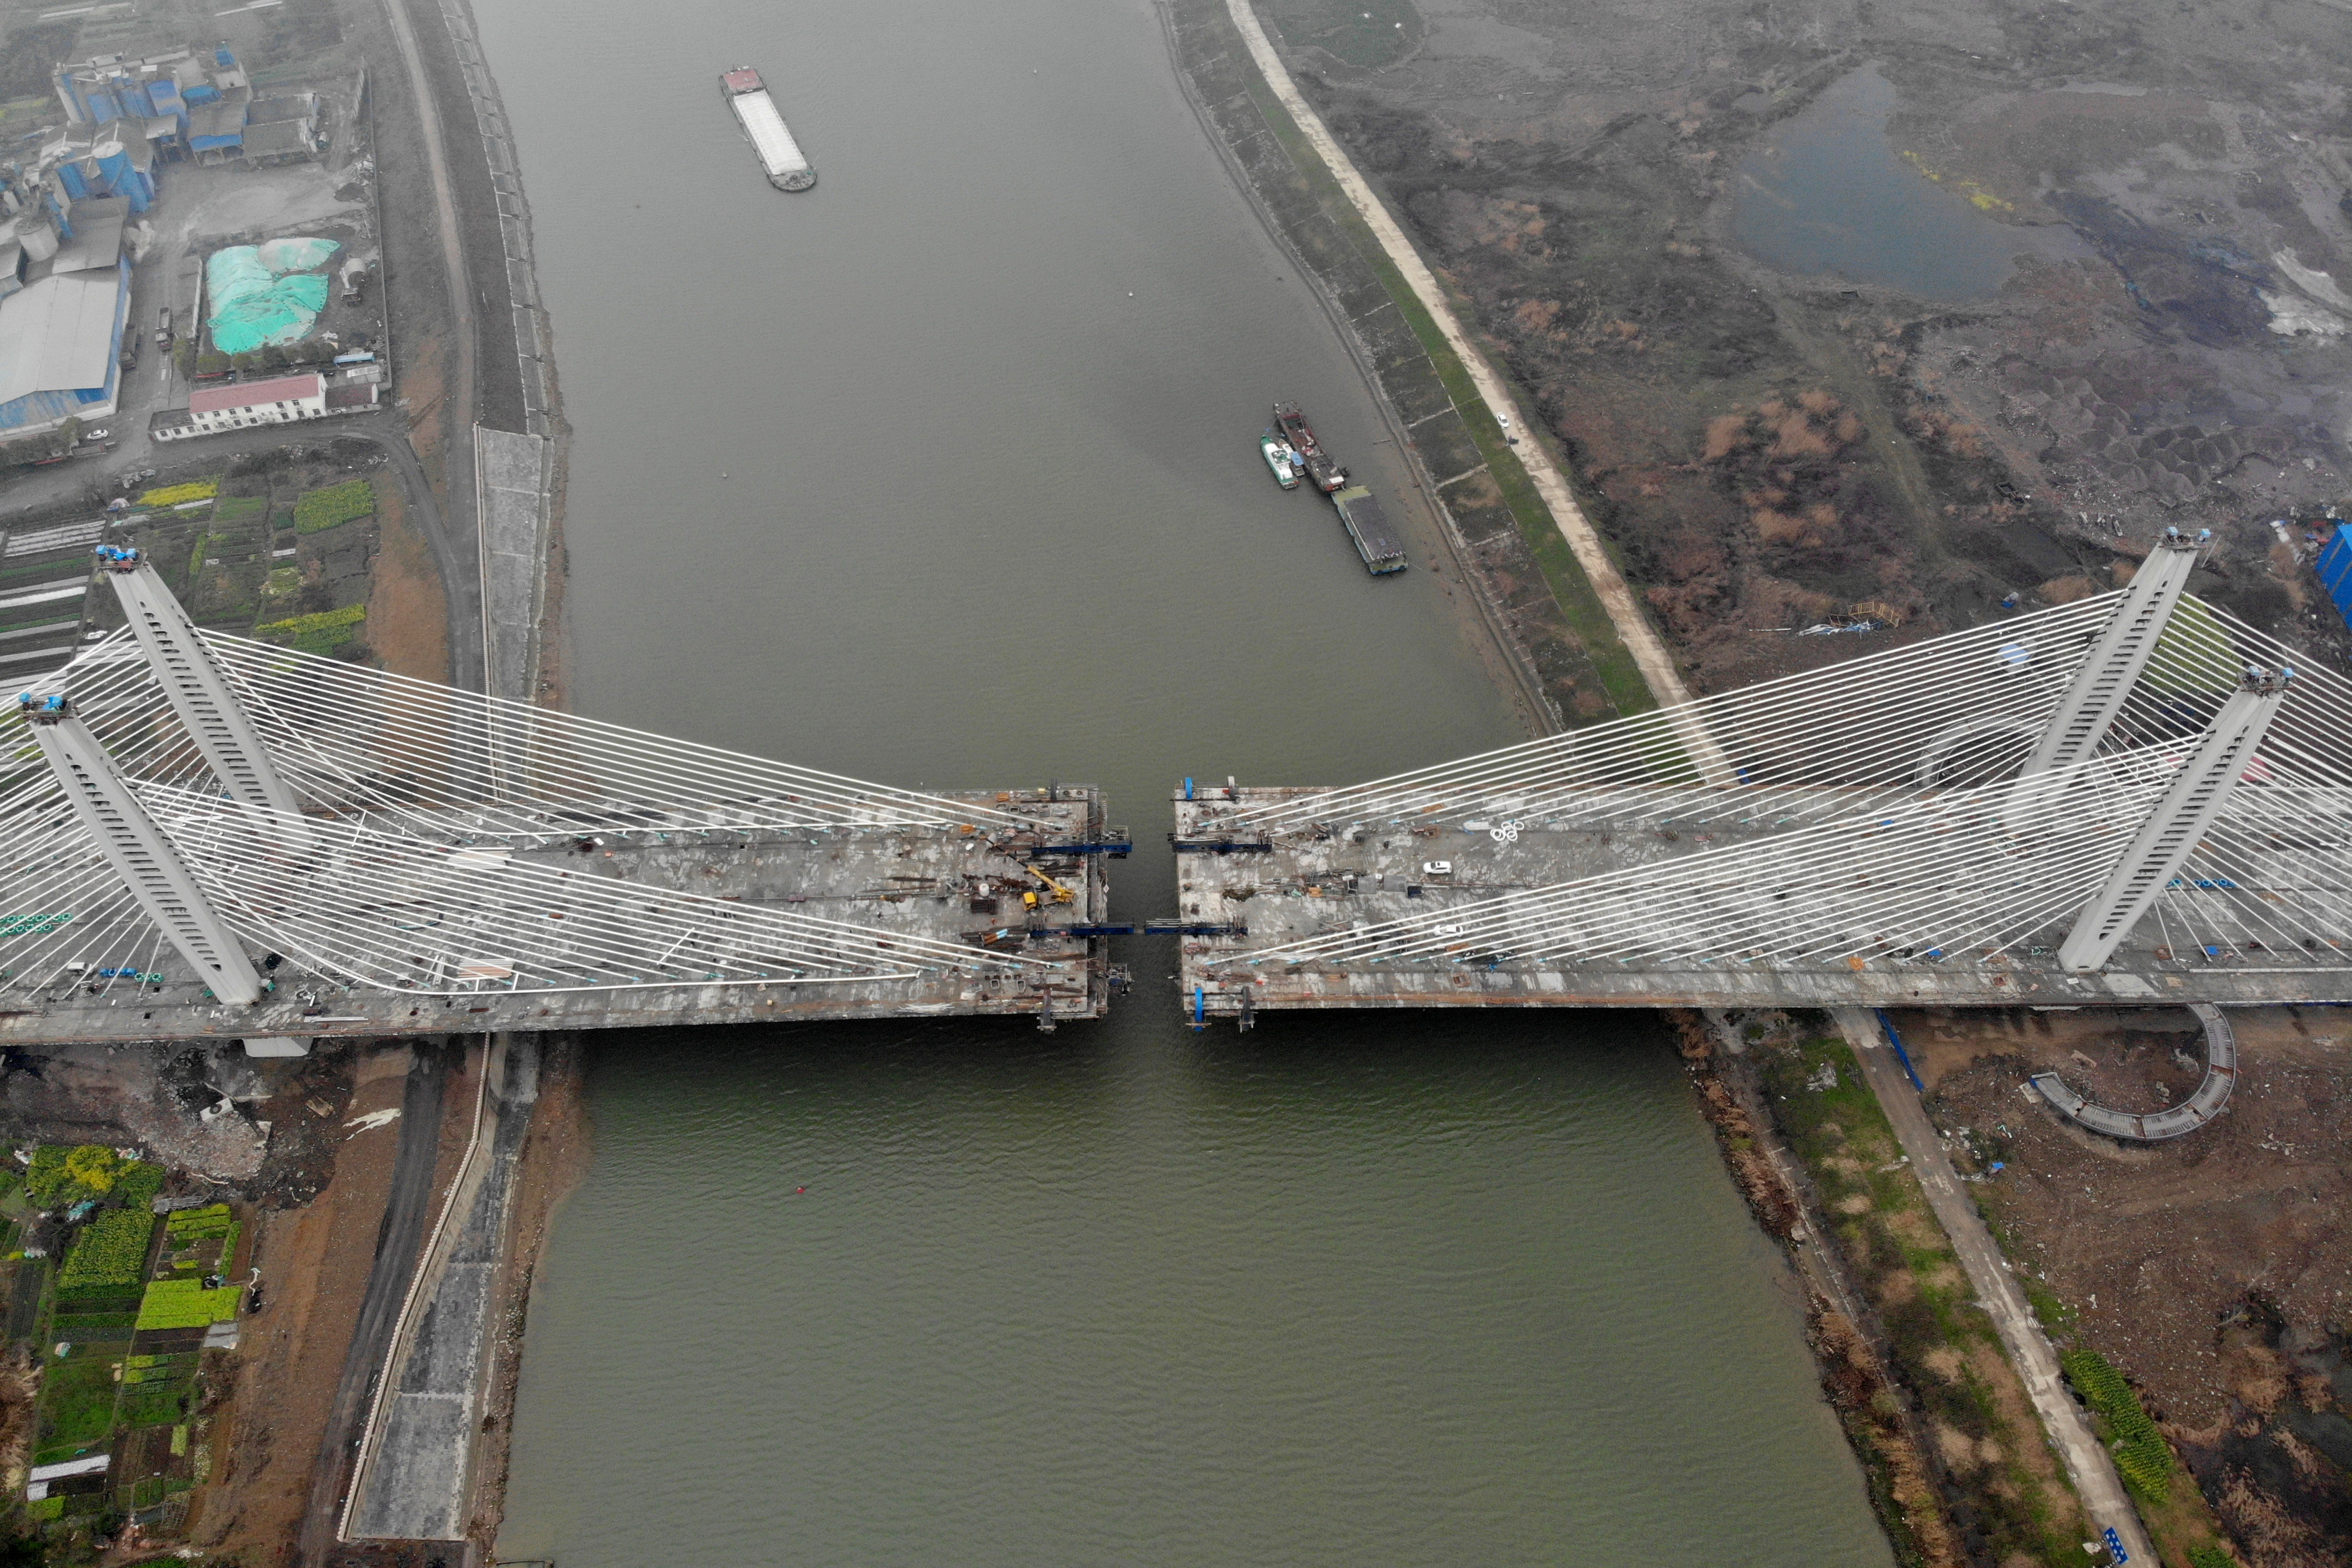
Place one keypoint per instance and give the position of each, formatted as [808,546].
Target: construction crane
[1062,895]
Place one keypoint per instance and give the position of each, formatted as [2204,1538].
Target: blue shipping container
[2336,569]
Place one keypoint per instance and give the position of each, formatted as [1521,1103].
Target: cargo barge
[1320,466]
[1367,522]
[787,166]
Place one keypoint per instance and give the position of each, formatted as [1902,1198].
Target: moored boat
[1367,522]
[1320,466]
[1281,458]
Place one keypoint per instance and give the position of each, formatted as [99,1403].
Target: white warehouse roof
[58,334]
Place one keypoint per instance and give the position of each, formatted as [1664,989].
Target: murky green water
[1827,192]
[945,473]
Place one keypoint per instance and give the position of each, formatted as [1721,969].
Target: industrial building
[108,88]
[71,200]
[216,130]
[125,116]
[281,400]
[282,130]
[65,298]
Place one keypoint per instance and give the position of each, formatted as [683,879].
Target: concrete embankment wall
[416,1467]
[1536,601]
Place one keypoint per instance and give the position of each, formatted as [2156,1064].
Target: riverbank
[554,1161]
[1552,630]
[475,365]
[474,340]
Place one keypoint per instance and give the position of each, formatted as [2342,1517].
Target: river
[944,473]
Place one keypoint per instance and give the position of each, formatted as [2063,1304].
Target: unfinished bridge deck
[941,883]
[1311,883]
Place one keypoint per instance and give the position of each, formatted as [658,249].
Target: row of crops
[245,551]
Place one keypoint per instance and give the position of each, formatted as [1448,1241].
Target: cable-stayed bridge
[203,836]
[2130,797]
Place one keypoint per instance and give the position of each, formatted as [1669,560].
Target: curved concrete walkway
[1650,656]
[2220,1078]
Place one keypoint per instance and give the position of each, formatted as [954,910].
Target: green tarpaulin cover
[266,293]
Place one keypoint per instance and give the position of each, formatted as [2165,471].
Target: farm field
[131,1323]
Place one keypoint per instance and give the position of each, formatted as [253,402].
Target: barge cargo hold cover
[787,166]
[1368,524]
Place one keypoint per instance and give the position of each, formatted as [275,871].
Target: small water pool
[1827,192]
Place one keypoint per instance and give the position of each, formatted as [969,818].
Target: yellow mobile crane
[1062,895]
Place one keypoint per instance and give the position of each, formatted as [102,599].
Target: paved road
[464,396]
[2093,1468]
[396,1243]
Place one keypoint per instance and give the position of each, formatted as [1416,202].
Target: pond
[1827,192]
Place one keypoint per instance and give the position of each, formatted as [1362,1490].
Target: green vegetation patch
[172,495]
[186,1304]
[158,1396]
[319,510]
[139,1182]
[321,633]
[76,1406]
[200,1241]
[192,1224]
[60,1175]
[112,1250]
[2141,1453]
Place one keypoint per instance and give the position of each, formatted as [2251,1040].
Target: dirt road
[2092,1471]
